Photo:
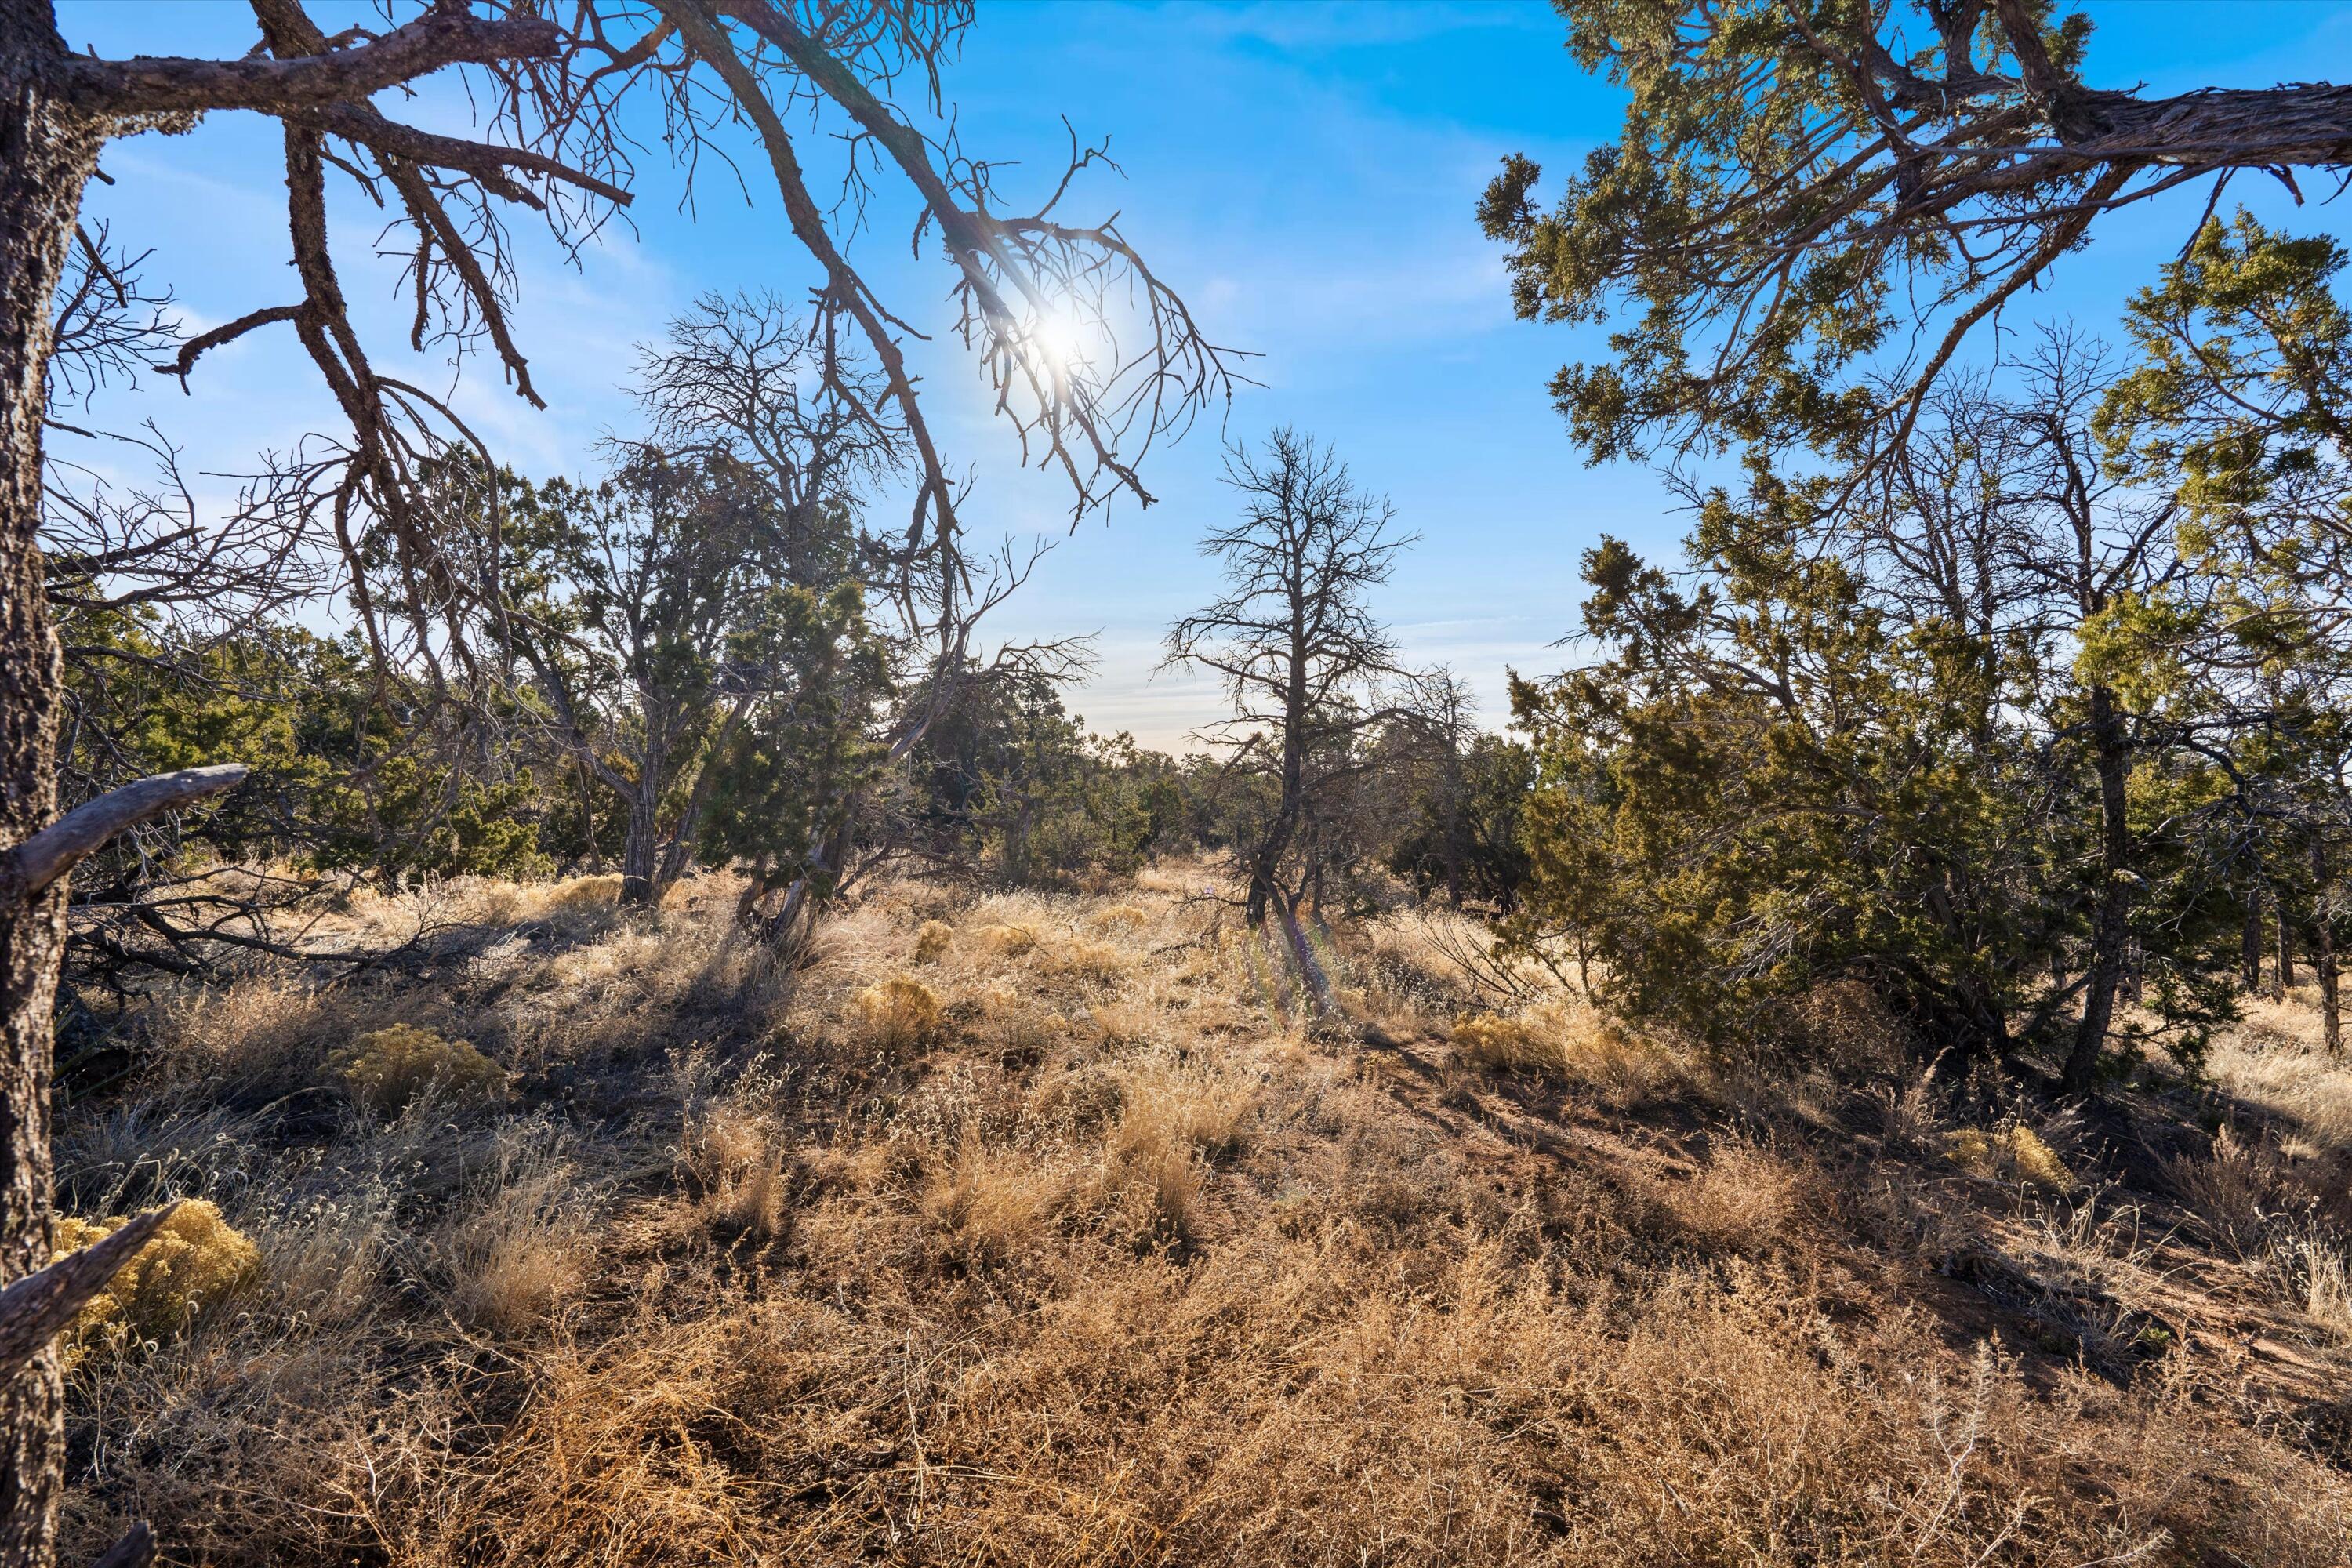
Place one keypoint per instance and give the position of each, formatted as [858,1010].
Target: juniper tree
[1806,192]
[1926,732]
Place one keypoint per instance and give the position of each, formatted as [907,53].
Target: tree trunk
[2323,961]
[2286,950]
[2250,949]
[755,888]
[2323,947]
[45,157]
[1453,792]
[2110,921]
[637,853]
[590,851]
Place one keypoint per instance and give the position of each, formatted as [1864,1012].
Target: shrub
[933,941]
[384,1069]
[900,1014]
[1007,941]
[1098,962]
[2011,1152]
[194,1259]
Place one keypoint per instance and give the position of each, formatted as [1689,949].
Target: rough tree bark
[2284,979]
[2322,947]
[2250,949]
[46,154]
[2110,927]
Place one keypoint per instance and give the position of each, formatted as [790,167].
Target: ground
[1036,1230]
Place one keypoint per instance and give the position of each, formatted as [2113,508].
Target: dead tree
[553,92]
[1308,667]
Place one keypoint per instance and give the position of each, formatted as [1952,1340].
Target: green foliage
[802,753]
[344,775]
[1011,780]
[1771,784]
[1462,815]
[1764,237]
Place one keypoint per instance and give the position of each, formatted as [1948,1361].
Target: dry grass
[1572,1042]
[514,1249]
[899,1014]
[2277,1061]
[1104,1260]
[1004,941]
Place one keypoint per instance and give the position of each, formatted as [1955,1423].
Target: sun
[1057,343]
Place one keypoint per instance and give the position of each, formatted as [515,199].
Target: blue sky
[1304,173]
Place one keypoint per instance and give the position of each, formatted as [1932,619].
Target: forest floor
[1076,1248]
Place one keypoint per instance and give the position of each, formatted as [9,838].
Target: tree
[1304,660]
[553,94]
[1934,732]
[1466,825]
[1804,190]
[652,611]
[2239,407]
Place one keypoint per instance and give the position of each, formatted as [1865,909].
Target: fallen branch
[56,850]
[37,1308]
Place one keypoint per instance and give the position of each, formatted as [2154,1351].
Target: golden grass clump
[2012,1152]
[1567,1041]
[931,940]
[900,1014]
[731,1158]
[1005,941]
[990,1204]
[385,1070]
[585,892]
[1096,963]
[194,1259]
[1119,916]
